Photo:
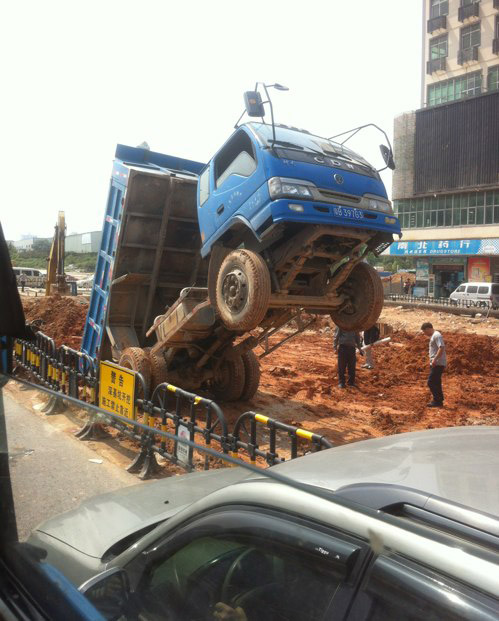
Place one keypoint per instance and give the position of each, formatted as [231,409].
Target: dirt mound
[300,380]
[62,318]
[478,354]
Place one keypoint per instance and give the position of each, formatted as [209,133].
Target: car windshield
[304,141]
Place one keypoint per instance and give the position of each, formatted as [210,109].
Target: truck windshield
[303,141]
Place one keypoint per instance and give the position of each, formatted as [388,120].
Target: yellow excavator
[56,278]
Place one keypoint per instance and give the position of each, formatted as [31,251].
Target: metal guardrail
[467,304]
[160,422]
[317,441]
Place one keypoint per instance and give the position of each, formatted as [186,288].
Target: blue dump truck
[200,264]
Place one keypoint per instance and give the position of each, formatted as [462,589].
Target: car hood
[102,521]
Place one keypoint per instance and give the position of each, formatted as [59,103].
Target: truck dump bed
[149,251]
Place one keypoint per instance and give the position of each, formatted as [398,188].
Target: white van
[27,271]
[477,293]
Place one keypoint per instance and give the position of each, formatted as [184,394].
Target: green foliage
[392,264]
[38,257]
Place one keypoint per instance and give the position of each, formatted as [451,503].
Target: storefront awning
[446,247]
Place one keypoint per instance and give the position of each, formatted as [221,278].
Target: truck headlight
[294,188]
[377,204]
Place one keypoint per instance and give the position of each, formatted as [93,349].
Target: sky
[79,77]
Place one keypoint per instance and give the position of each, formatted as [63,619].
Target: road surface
[50,470]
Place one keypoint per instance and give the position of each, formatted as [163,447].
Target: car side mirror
[253,104]
[109,592]
[387,156]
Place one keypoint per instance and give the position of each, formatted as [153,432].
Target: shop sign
[445,247]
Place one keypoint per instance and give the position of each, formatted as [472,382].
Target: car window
[204,186]
[266,581]
[236,158]
[397,589]
[460,289]
[483,289]
[495,289]
[472,289]
[267,576]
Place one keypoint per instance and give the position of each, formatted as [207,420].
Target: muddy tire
[365,290]
[217,256]
[159,370]
[228,383]
[251,375]
[136,359]
[243,290]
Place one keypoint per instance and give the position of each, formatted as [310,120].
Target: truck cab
[300,212]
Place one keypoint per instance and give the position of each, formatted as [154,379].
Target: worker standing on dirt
[438,362]
[370,337]
[22,280]
[345,343]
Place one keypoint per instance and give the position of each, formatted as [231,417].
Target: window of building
[439,7]
[493,78]
[465,209]
[438,47]
[468,2]
[470,37]
[456,88]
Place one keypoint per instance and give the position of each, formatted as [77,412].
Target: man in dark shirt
[345,343]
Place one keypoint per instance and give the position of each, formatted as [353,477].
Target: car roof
[459,464]
[480,284]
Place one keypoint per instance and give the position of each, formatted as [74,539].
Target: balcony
[470,10]
[467,56]
[437,64]
[436,23]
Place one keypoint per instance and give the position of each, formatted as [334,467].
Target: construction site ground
[299,383]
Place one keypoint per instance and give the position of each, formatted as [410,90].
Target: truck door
[231,183]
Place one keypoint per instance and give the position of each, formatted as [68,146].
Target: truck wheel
[136,359]
[243,290]
[365,290]
[217,256]
[252,375]
[228,383]
[159,370]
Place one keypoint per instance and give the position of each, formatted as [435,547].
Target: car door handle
[220,209]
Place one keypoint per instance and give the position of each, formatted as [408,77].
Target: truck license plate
[348,212]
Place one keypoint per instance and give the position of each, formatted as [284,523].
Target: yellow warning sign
[117,390]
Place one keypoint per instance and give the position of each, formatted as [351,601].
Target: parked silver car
[401,527]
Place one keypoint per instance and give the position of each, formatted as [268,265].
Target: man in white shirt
[438,362]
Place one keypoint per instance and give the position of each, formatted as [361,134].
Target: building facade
[446,185]
[84,242]
[24,245]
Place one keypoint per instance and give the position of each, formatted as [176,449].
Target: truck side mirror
[253,103]
[387,156]
[109,592]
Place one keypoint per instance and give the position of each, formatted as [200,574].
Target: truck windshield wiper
[297,147]
[284,143]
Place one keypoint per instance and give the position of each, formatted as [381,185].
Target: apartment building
[446,185]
